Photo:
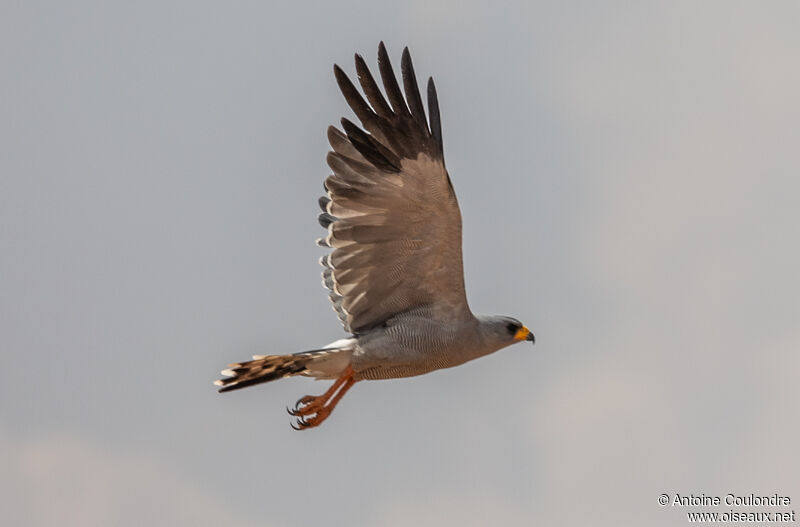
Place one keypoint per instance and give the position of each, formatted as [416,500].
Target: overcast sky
[629,177]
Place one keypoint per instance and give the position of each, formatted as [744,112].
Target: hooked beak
[524,333]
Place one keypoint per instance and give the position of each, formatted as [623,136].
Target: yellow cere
[522,333]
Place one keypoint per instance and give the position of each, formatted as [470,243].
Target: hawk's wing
[391,212]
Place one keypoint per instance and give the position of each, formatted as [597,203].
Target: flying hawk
[394,274]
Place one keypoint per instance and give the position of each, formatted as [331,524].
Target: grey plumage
[395,274]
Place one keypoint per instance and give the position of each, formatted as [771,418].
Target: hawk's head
[504,331]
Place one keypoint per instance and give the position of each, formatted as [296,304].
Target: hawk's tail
[323,363]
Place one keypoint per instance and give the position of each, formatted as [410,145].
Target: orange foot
[312,410]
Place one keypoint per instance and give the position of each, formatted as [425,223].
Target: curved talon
[302,424]
[307,405]
[311,410]
[305,400]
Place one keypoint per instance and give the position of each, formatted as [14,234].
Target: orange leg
[310,404]
[312,411]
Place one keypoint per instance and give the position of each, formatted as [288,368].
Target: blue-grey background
[628,176]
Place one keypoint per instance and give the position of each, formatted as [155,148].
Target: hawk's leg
[312,411]
[310,403]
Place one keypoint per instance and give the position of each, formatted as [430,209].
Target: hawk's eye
[512,328]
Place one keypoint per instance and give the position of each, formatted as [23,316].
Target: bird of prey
[394,274]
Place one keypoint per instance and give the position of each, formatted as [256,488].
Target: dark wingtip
[359,59]
[435,116]
[413,97]
[348,125]
[338,71]
[325,219]
[373,151]
[383,55]
[371,90]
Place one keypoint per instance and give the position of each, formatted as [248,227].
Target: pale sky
[629,178]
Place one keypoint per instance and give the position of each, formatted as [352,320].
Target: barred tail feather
[265,368]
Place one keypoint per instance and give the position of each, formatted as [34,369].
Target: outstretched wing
[391,211]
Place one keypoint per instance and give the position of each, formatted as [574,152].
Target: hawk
[394,273]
